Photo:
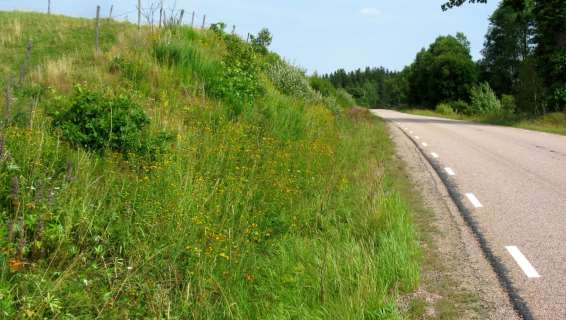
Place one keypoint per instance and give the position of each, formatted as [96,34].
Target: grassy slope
[552,122]
[285,211]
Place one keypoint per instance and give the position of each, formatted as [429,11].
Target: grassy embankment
[551,123]
[263,203]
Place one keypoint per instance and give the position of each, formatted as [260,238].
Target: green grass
[285,211]
[551,123]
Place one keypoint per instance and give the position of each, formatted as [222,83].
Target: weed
[445,109]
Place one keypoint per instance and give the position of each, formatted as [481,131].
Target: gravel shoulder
[457,281]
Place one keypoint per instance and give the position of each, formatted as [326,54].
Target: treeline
[372,86]
[522,71]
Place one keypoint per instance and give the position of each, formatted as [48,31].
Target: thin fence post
[48,6]
[139,15]
[160,16]
[193,20]
[24,66]
[110,14]
[233,29]
[203,21]
[181,16]
[97,28]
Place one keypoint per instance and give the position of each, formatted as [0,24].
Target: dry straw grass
[12,33]
[54,73]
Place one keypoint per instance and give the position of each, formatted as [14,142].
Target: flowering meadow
[171,175]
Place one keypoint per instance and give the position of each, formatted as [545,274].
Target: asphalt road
[513,183]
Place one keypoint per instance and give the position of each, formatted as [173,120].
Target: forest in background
[522,71]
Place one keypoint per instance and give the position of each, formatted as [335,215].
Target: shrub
[508,104]
[324,86]
[444,109]
[557,98]
[290,80]
[96,122]
[460,106]
[344,99]
[484,100]
[239,83]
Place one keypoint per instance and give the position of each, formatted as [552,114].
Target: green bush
[508,104]
[96,122]
[239,83]
[557,98]
[323,86]
[290,80]
[444,109]
[339,97]
[483,100]
[461,107]
[344,99]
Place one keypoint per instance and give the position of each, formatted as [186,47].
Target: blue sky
[318,35]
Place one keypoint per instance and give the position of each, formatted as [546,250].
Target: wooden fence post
[160,16]
[193,20]
[24,66]
[139,15]
[97,28]
[48,6]
[233,29]
[110,14]
[181,16]
[203,21]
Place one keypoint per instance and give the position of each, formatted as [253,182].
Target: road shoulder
[457,282]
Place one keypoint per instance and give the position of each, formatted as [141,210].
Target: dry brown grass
[54,73]
[12,33]
[358,113]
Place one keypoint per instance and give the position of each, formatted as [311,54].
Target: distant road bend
[512,183]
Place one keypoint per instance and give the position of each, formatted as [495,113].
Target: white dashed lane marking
[425,144]
[522,261]
[417,137]
[434,155]
[474,200]
[450,171]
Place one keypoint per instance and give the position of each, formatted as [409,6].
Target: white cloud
[370,12]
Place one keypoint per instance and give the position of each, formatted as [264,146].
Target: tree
[529,91]
[262,41]
[456,3]
[372,87]
[461,37]
[444,72]
[509,41]
[550,53]
[550,39]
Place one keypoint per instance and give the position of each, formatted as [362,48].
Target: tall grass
[286,211]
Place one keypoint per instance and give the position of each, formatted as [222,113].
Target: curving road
[512,183]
